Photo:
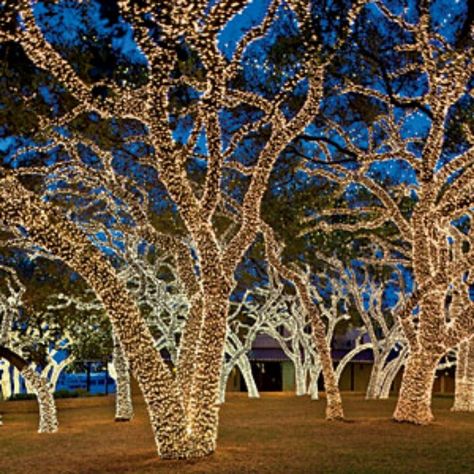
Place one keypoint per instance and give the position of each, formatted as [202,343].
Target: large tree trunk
[464,385]
[204,400]
[49,229]
[187,352]
[48,421]
[123,392]
[414,401]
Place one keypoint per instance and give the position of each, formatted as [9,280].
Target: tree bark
[313,390]
[204,400]
[246,371]
[245,368]
[414,401]
[464,384]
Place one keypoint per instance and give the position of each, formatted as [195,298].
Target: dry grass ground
[277,434]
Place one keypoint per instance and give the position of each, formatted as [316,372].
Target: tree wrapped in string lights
[276,310]
[10,305]
[417,181]
[380,324]
[464,381]
[182,407]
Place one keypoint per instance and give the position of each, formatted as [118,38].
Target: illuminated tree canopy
[165,150]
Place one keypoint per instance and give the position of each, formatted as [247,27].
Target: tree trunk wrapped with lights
[464,383]
[334,410]
[414,402]
[123,392]
[48,421]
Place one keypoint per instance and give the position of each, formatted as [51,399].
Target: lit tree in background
[275,310]
[10,305]
[196,177]
[380,324]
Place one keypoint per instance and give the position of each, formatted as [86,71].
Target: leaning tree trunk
[48,421]
[414,400]
[464,384]
[389,374]
[226,371]
[334,409]
[245,368]
[376,378]
[50,230]
[123,392]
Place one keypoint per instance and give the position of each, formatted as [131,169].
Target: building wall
[355,377]
[235,381]
[288,376]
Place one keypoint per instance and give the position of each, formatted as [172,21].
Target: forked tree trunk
[48,421]
[313,390]
[246,371]
[464,384]
[334,410]
[390,372]
[123,392]
[414,400]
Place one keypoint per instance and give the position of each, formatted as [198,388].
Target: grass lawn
[277,434]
